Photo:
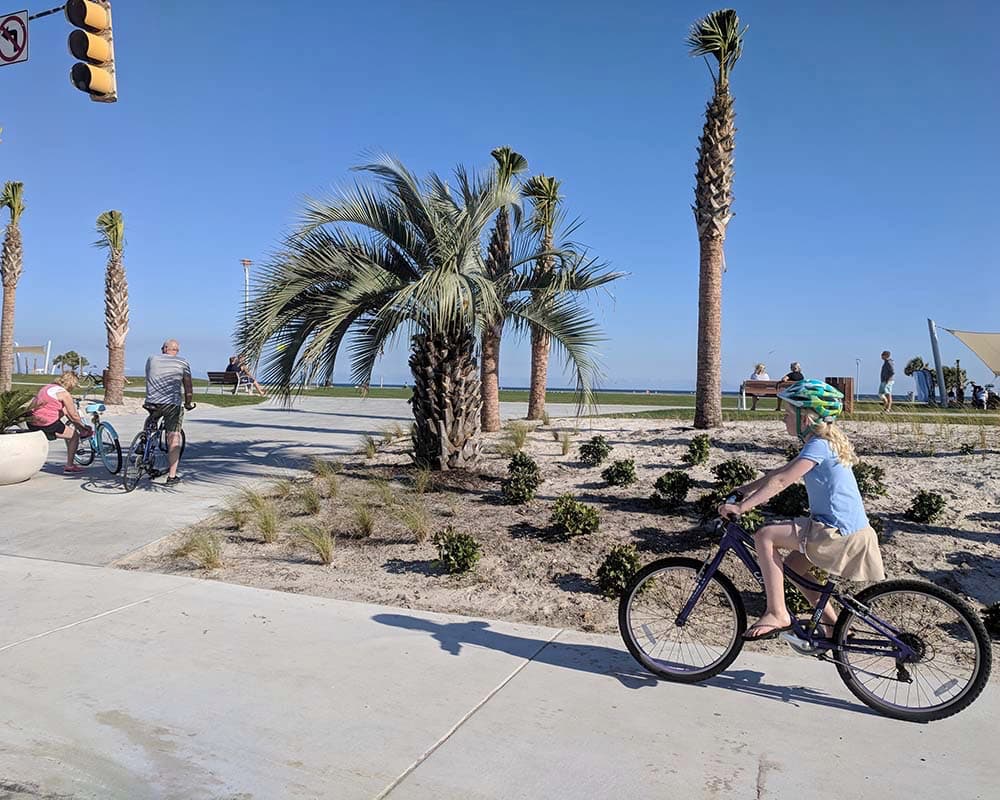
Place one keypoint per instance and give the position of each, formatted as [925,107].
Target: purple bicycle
[907,648]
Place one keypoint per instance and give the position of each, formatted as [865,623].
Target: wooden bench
[223,379]
[759,389]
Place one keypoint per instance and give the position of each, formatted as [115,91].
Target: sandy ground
[526,574]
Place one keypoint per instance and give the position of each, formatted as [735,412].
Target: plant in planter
[22,453]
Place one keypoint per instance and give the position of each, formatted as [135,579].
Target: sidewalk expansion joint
[89,619]
[454,728]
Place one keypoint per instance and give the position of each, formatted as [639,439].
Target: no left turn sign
[13,38]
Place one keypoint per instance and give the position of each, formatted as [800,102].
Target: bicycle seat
[96,408]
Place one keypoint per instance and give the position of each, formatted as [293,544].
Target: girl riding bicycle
[837,536]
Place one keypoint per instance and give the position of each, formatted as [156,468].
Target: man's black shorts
[51,430]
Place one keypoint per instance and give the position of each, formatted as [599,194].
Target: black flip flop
[771,634]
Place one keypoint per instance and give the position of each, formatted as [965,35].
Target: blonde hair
[836,438]
[67,380]
[759,368]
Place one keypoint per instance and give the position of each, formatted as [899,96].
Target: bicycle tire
[84,455]
[919,625]
[725,636]
[111,449]
[135,462]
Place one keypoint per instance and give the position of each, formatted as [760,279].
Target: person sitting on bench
[237,364]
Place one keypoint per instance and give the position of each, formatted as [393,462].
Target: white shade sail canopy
[984,345]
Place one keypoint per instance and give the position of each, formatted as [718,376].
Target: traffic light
[93,45]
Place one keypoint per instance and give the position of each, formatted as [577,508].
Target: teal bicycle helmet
[815,396]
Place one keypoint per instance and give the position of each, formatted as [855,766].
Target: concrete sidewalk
[135,685]
[89,519]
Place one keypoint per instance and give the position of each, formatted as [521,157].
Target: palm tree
[717,35]
[70,360]
[544,193]
[370,264]
[111,237]
[11,265]
[498,264]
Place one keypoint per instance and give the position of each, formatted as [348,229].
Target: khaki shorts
[173,416]
[854,557]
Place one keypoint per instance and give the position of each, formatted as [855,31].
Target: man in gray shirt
[886,378]
[168,380]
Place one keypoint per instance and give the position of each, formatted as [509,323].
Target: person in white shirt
[760,373]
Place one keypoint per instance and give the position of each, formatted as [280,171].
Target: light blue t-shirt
[834,498]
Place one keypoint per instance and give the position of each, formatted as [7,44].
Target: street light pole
[857,381]
[246,262]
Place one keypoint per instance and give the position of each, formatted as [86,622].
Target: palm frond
[111,231]
[718,35]
[12,198]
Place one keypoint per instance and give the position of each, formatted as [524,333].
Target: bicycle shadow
[600,660]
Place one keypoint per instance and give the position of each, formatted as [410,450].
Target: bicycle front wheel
[111,450]
[707,642]
[135,462]
[951,658]
[84,455]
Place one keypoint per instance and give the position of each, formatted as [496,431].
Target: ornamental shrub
[620,564]
[574,518]
[871,480]
[523,478]
[595,451]
[671,489]
[926,506]
[620,473]
[698,449]
[732,473]
[457,552]
[790,502]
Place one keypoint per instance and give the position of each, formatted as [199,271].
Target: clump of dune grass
[203,548]
[546,419]
[423,480]
[267,521]
[417,520]
[564,441]
[331,485]
[392,432]
[369,446]
[281,489]
[517,434]
[311,501]
[319,541]
[363,517]
[236,515]
[383,492]
[253,498]
[321,467]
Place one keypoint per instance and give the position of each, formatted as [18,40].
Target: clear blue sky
[865,164]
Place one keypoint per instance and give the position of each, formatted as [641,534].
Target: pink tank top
[48,406]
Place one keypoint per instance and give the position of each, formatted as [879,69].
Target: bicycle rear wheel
[84,452]
[111,450]
[952,658]
[135,462]
[708,641]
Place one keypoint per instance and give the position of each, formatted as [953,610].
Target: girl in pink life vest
[52,402]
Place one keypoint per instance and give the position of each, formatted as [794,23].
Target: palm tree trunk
[708,402]
[114,378]
[539,373]
[446,400]
[490,378]
[7,339]
[116,324]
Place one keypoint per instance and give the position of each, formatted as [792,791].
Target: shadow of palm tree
[967,576]
[398,566]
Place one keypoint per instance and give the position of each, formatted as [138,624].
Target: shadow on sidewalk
[600,660]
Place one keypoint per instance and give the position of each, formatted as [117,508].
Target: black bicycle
[147,455]
[907,648]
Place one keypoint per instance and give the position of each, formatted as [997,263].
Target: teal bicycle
[103,440]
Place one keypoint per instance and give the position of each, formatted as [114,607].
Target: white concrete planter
[21,455]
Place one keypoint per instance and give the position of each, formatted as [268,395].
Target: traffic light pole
[41,14]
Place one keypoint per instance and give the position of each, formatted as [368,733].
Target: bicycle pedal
[799,645]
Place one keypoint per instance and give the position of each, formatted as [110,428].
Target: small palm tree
[11,266]
[111,237]
[498,264]
[717,35]
[544,193]
[404,257]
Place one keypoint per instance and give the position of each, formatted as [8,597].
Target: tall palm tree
[111,237]
[11,265]
[372,263]
[717,35]
[544,193]
[498,264]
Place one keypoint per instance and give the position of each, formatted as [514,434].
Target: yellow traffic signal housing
[92,44]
